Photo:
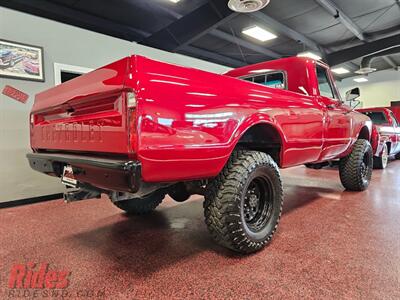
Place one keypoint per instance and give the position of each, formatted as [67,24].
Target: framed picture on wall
[21,61]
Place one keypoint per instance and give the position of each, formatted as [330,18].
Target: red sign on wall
[11,92]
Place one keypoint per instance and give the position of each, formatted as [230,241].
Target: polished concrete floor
[331,244]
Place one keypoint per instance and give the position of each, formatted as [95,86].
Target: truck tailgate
[84,114]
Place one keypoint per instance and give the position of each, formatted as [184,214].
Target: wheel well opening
[364,134]
[264,138]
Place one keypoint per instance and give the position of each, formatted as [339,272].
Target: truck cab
[333,123]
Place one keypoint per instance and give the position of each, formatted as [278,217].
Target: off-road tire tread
[222,201]
[349,167]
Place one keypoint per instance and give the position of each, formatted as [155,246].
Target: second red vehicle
[386,135]
[139,129]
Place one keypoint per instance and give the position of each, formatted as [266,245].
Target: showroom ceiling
[341,31]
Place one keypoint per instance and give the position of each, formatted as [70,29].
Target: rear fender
[252,122]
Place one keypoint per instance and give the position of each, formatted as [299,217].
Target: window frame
[58,68]
[283,72]
[334,91]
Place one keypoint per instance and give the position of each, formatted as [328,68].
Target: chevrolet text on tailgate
[139,129]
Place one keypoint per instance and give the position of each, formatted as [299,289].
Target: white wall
[382,88]
[62,44]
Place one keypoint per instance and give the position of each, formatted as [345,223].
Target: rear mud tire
[243,204]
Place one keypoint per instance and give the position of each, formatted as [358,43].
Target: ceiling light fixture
[365,70]
[340,71]
[259,33]
[174,1]
[247,6]
[361,79]
[309,55]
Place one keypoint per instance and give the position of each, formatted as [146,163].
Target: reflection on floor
[330,244]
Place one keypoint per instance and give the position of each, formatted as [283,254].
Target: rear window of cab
[274,79]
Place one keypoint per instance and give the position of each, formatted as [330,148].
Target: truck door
[396,126]
[337,120]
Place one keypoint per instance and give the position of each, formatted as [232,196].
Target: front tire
[381,162]
[243,204]
[141,206]
[356,169]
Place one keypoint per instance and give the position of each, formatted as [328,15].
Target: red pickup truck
[386,136]
[139,129]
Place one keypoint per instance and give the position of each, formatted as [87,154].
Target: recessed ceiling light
[361,79]
[309,55]
[259,33]
[340,71]
[175,1]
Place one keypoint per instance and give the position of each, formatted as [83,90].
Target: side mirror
[353,94]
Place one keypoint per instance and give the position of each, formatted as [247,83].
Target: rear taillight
[32,119]
[131,112]
[35,119]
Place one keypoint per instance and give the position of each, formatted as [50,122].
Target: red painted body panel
[389,133]
[185,124]
[187,121]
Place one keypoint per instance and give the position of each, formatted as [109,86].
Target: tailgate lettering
[76,132]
